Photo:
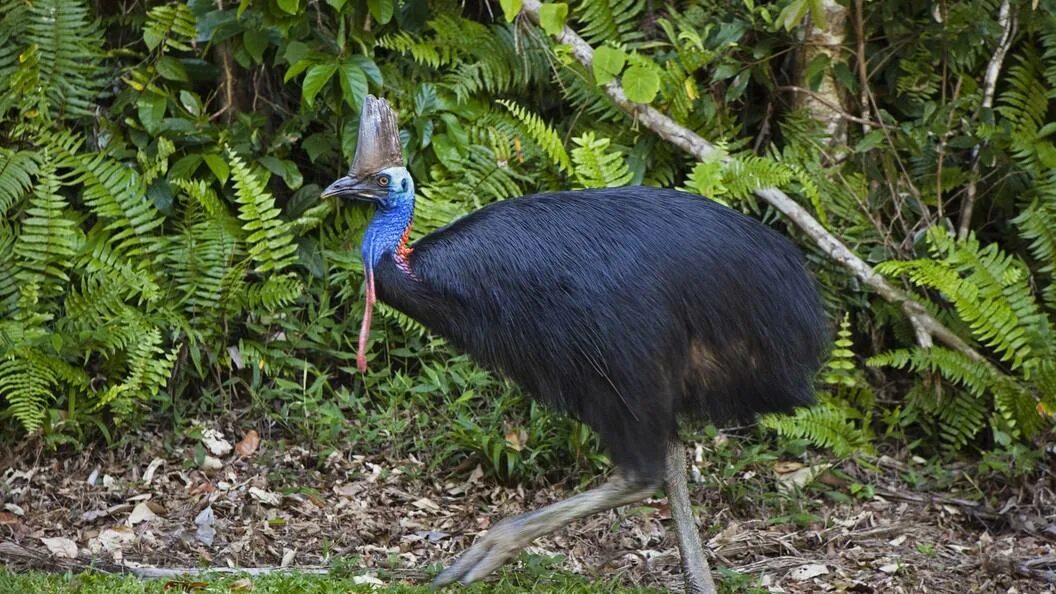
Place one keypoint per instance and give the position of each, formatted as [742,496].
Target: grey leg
[694,565]
[507,537]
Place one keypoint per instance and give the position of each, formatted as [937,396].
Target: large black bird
[627,308]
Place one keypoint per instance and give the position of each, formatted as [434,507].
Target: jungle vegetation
[164,254]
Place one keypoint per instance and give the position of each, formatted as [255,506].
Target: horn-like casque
[379,139]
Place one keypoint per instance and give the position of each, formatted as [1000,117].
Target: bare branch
[925,325]
[1007,20]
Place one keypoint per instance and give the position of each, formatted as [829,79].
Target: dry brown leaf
[786,466]
[61,547]
[7,518]
[141,513]
[248,445]
[426,503]
[241,585]
[265,497]
[806,572]
[114,539]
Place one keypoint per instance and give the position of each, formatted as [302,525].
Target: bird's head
[388,188]
[377,174]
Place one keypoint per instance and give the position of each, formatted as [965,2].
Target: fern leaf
[542,134]
[270,242]
[49,239]
[595,166]
[16,177]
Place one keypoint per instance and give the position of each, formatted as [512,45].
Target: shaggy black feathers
[624,307]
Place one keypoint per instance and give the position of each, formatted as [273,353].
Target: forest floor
[374,520]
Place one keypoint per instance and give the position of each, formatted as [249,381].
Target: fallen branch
[1007,21]
[925,326]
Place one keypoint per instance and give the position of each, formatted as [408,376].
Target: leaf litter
[269,505]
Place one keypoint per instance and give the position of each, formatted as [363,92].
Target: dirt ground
[258,505]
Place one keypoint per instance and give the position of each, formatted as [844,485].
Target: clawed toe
[481,559]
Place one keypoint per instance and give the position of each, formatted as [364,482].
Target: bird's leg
[512,534]
[695,570]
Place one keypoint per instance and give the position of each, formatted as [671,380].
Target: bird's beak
[350,186]
[347,187]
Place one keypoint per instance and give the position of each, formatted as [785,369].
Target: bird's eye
[383,180]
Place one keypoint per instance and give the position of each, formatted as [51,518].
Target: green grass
[97,583]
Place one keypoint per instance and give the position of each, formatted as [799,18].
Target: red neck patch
[404,250]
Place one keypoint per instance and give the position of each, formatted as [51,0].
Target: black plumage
[622,307]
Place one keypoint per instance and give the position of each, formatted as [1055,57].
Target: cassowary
[627,308]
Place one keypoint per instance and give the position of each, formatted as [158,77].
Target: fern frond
[542,134]
[49,239]
[27,387]
[596,166]
[118,195]
[274,292]
[825,425]
[171,26]
[59,52]
[17,169]
[612,21]
[270,242]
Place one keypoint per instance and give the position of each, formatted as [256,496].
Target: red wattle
[364,330]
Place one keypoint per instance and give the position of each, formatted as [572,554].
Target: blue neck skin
[391,221]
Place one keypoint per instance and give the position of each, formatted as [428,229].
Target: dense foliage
[163,247]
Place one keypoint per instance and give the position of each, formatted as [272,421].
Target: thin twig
[926,326]
[1007,20]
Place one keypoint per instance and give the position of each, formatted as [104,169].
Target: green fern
[270,242]
[542,134]
[605,21]
[49,238]
[170,26]
[828,425]
[17,169]
[989,290]
[118,195]
[52,64]
[27,388]
[596,166]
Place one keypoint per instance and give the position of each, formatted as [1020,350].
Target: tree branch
[1007,20]
[926,327]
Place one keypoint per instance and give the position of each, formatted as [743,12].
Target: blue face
[392,190]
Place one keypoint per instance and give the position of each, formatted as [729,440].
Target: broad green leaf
[218,165]
[172,69]
[608,62]
[381,10]
[793,14]
[817,14]
[552,17]
[739,84]
[316,78]
[641,84]
[337,4]
[296,69]
[288,6]
[510,9]
[191,103]
[815,71]
[151,108]
[287,170]
[370,69]
[255,43]
[353,84]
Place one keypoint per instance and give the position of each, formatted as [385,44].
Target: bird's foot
[486,555]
